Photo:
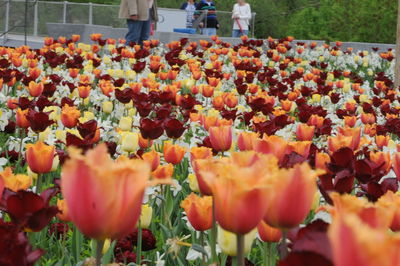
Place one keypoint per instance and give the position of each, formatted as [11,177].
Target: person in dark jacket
[210,23]
[190,8]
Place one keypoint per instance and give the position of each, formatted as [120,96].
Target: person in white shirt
[241,16]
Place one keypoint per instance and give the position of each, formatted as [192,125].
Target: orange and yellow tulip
[246,140]
[240,188]
[39,157]
[173,153]
[15,182]
[70,116]
[103,200]
[305,132]
[292,196]
[268,233]
[163,171]
[221,137]
[199,211]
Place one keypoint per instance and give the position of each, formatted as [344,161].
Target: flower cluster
[199,151]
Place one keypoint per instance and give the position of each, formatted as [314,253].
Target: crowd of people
[141,16]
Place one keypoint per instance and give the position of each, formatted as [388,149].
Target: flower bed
[197,153]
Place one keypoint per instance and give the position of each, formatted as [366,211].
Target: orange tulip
[350,121]
[20,118]
[103,200]
[382,141]
[35,89]
[396,165]
[305,132]
[220,137]
[173,153]
[153,158]
[268,233]
[321,161]
[199,211]
[84,91]
[70,116]
[200,153]
[354,133]
[144,143]
[316,121]
[291,197]
[381,160]
[271,145]
[15,182]
[164,171]
[391,201]
[368,118]
[354,243]
[336,143]
[300,147]
[246,140]
[39,157]
[240,188]
[63,214]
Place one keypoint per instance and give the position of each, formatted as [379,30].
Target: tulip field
[269,152]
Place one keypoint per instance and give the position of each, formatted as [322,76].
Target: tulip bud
[130,141]
[228,241]
[193,184]
[145,216]
[125,123]
[40,157]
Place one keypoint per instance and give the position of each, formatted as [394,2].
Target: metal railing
[12,14]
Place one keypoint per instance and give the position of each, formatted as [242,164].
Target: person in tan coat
[139,15]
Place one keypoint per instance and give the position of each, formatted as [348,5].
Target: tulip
[227,241]
[84,91]
[305,132]
[153,158]
[199,211]
[240,188]
[396,165]
[125,123]
[15,182]
[268,233]
[355,243]
[272,145]
[336,143]
[246,140]
[21,119]
[381,160]
[321,161]
[107,107]
[130,141]
[35,89]
[145,216]
[173,153]
[300,147]
[193,184]
[110,192]
[200,153]
[220,137]
[292,196]
[163,171]
[350,121]
[355,133]
[70,116]
[39,157]
[63,210]
[382,141]
[1,186]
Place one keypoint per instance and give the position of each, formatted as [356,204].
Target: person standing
[190,8]
[210,23]
[139,15]
[241,16]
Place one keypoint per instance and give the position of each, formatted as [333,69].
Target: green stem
[272,257]
[99,251]
[139,245]
[39,183]
[203,259]
[266,254]
[213,240]
[240,249]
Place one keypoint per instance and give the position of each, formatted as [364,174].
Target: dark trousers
[138,31]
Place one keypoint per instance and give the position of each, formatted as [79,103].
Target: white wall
[170,19]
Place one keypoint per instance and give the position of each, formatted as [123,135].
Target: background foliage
[345,20]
